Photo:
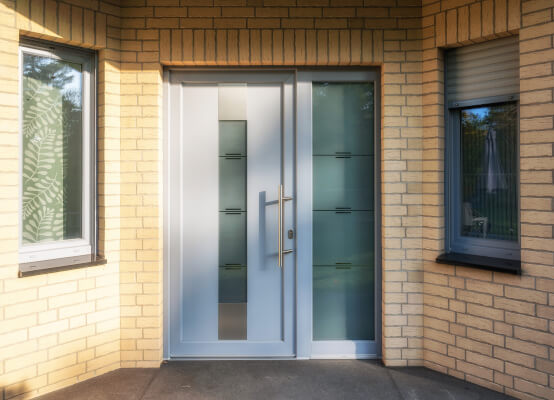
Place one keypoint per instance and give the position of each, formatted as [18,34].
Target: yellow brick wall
[59,328]
[244,32]
[493,329]
[270,32]
[134,41]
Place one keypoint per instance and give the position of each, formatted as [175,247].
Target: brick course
[489,328]
[274,33]
[60,328]
[491,323]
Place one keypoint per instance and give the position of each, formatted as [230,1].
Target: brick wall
[271,32]
[59,328]
[493,329]
[242,32]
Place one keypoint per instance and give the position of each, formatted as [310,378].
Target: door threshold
[278,358]
[196,358]
[345,357]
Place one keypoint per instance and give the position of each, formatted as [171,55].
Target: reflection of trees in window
[355,96]
[489,170]
[52,149]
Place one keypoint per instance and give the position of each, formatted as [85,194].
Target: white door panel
[215,310]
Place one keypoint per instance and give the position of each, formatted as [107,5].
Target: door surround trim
[303,284]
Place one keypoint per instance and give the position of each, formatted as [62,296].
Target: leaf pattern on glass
[42,205]
[43,225]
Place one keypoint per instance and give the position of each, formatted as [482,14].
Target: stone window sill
[481,262]
[60,264]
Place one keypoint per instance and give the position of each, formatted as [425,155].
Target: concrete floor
[265,380]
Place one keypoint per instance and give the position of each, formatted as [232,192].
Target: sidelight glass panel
[343,182]
[343,303]
[343,237]
[342,118]
[52,181]
[343,219]
[232,229]
[489,172]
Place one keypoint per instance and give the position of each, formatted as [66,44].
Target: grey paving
[275,380]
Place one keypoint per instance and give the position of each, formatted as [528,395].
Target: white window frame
[85,246]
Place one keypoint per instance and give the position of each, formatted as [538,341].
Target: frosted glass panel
[342,118]
[232,284]
[232,101]
[52,150]
[232,183]
[232,238]
[343,183]
[343,237]
[232,216]
[343,219]
[232,138]
[343,303]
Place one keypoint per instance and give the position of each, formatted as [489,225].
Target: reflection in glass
[488,175]
[342,118]
[343,222]
[52,150]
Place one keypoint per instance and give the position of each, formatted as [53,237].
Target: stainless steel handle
[281,201]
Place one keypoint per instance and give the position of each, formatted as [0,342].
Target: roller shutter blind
[482,70]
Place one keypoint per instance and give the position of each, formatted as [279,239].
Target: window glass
[52,175]
[489,207]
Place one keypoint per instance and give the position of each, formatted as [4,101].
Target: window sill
[482,262]
[60,264]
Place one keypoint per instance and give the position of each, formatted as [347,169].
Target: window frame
[70,251]
[455,242]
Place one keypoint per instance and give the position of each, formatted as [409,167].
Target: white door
[229,220]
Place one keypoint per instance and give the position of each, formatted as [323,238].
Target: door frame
[306,347]
[302,155]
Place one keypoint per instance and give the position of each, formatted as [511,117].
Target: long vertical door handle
[280,216]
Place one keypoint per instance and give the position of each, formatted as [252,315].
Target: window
[482,121]
[57,133]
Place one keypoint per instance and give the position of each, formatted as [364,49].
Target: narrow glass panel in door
[230,153]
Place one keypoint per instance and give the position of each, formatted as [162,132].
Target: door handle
[281,213]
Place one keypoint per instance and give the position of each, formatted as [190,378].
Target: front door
[230,213]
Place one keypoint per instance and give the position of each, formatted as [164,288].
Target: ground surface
[265,380]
